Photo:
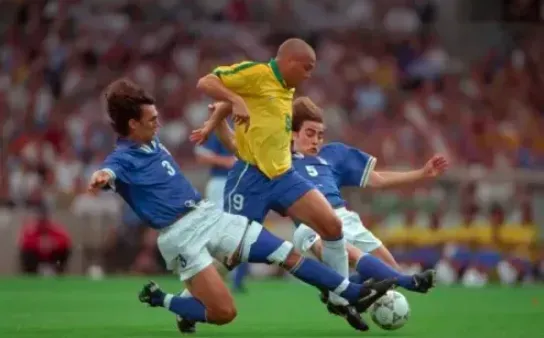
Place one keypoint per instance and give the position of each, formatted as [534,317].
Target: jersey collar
[276,70]
[126,143]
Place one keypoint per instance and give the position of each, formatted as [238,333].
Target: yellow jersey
[518,234]
[267,142]
[460,234]
[425,237]
[519,239]
[486,237]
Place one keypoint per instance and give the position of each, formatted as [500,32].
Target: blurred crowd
[385,80]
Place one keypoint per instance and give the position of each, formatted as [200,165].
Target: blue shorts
[250,193]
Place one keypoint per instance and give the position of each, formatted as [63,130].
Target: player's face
[309,139]
[147,127]
[300,70]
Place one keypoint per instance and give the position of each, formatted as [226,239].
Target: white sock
[167,300]
[336,257]
[186,293]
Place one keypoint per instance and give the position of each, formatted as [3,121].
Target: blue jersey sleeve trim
[366,172]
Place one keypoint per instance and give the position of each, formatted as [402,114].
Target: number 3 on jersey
[312,171]
[169,169]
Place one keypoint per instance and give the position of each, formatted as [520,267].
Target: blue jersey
[148,178]
[214,146]
[336,166]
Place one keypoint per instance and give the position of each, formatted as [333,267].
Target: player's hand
[98,180]
[436,166]
[240,113]
[200,135]
[230,161]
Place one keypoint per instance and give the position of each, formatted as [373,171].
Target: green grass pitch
[77,307]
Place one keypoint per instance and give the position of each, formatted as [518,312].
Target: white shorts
[354,231]
[189,245]
[215,190]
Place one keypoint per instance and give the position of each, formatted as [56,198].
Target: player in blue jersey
[331,167]
[192,230]
[221,160]
[336,165]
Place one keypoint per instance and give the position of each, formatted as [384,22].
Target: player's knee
[329,228]
[222,314]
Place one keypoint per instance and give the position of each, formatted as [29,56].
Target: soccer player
[145,175]
[221,160]
[261,95]
[331,167]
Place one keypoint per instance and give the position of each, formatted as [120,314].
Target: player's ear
[132,124]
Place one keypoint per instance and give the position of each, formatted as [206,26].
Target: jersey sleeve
[241,77]
[352,166]
[118,168]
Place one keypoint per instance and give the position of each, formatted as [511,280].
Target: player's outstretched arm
[217,121]
[436,166]
[99,180]
[224,132]
[219,112]
[226,137]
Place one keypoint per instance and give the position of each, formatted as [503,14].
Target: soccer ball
[391,311]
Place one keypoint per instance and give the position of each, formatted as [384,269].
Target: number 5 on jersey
[169,169]
[312,171]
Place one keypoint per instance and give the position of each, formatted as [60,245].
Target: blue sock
[189,308]
[239,274]
[314,273]
[371,267]
[356,278]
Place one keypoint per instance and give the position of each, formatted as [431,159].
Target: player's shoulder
[332,146]
[120,156]
[241,67]
[333,150]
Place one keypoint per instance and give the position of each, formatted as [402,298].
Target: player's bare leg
[208,287]
[315,211]
[211,300]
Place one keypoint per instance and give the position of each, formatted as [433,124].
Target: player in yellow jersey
[487,253]
[459,245]
[519,241]
[261,95]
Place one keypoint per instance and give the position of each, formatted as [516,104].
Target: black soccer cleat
[424,281]
[350,314]
[324,296]
[151,294]
[185,326]
[372,291]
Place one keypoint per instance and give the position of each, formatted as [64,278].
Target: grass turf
[77,307]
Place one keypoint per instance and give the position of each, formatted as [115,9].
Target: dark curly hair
[124,99]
